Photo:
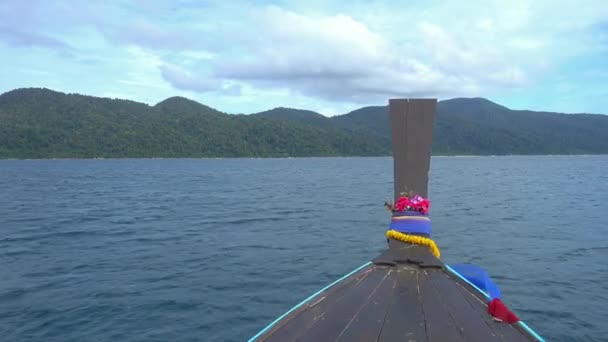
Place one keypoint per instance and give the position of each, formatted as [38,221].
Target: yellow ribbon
[414,239]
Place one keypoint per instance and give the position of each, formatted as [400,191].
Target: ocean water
[213,250]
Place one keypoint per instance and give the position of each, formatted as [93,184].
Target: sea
[215,249]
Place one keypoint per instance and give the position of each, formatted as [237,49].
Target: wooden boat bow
[406,293]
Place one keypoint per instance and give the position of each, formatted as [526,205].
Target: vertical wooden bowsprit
[412,122]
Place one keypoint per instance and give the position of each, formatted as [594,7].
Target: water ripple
[213,250]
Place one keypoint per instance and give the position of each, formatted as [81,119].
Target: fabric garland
[410,223]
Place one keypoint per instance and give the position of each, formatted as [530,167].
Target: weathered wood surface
[412,122]
[405,295]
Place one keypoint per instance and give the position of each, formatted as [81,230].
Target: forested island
[41,123]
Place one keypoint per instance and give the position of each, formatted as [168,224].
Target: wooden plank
[404,319]
[412,124]
[334,316]
[401,252]
[422,256]
[299,321]
[507,332]
[367,323]
[419,134]
[393,254]
[440,325]
[398,109]
[468,318]
[327,315]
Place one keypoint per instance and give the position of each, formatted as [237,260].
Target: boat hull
[405,294]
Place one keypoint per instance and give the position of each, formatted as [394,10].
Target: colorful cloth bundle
[410,216]
[416,203]
[480,278]
[410,222]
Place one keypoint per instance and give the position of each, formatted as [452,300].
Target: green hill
[41,123]
[479,126]
[307,117]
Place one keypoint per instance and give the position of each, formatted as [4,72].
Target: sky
[328,56]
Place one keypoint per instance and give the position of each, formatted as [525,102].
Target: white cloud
[184,80]
[527,43]
[507,77]
[288,45]
[197,83]
[339,58]
[318,53]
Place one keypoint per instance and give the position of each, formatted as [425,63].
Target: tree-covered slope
[41,123]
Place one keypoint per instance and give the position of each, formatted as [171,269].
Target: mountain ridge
[43,123]
[177,97]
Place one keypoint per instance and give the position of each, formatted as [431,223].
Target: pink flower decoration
[402,204]
[417,203]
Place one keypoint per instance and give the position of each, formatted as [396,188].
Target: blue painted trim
[532,332]
[521,323]
[467,281]
[269,326]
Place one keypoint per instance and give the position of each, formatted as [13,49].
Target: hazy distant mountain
[41,123]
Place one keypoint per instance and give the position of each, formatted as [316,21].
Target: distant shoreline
[45,124]
[314,157]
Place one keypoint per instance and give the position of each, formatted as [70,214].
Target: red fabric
[500,311]
[417,203]
[402,203]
